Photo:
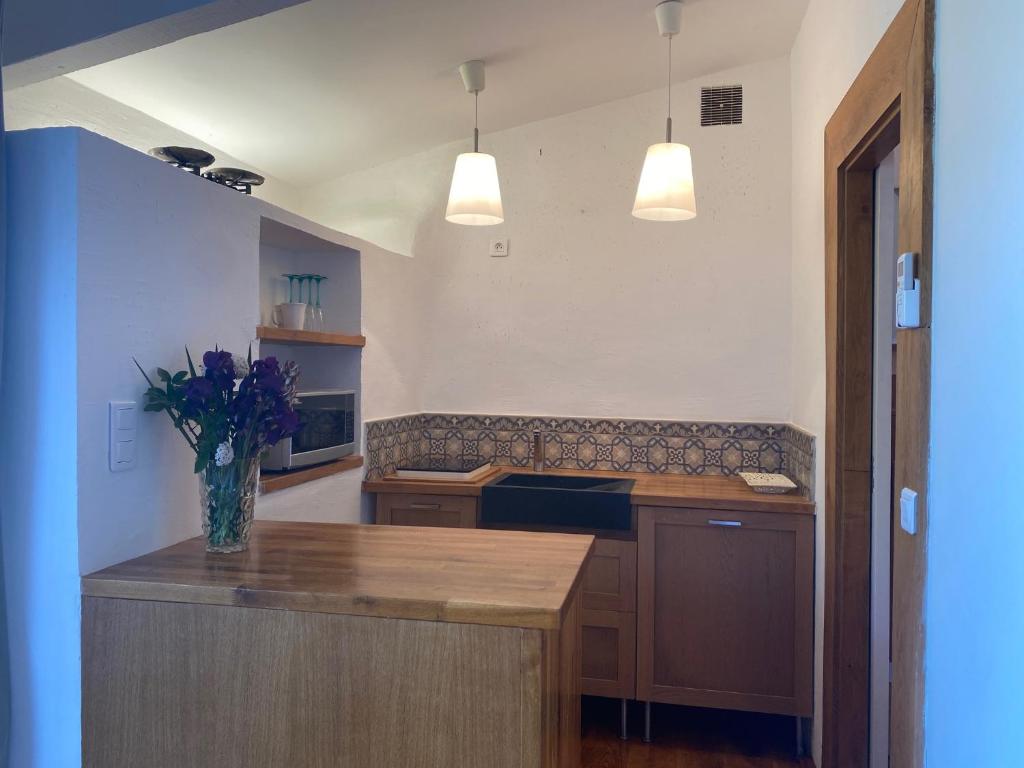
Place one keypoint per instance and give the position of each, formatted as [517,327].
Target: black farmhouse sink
[556,501]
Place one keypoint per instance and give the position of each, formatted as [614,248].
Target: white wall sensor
[908,293]
[908,511]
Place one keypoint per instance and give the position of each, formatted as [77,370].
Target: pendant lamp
[665,191]
[475,197]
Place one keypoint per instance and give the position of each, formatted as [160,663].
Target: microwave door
[321,455]
[327,428]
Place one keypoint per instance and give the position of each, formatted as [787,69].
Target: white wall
[835,40]
[594,312]
[165,259]
[111,255]
[974,614]
[37,443]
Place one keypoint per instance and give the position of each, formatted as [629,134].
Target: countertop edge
[793,505]
[512,616]
[744,501]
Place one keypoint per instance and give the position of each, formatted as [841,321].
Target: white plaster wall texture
[388,212]
[594,313]
[835,39]
[334,499]
[164,260]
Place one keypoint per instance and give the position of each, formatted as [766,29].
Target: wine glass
[318,310]
[306,297]
[291,287]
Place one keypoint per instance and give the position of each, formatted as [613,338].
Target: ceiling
[327,87]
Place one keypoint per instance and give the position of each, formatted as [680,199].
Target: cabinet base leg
[799,737]
[623,727]
[647,722]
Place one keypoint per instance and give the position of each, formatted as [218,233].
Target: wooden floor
[687,738]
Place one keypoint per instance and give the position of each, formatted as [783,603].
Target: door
[882,414]
[890,103]
[609,653]
[724,609]
[609,620]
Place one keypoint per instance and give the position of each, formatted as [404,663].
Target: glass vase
[228,498]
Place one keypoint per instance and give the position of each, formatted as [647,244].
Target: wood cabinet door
[725,609]
[434,511]
[609,583]
[609,654]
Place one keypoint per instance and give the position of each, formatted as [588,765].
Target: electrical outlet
[499,247]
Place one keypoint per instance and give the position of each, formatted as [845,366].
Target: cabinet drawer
[610,581]
[609,654]
[433,511]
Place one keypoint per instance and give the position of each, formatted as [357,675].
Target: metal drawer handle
[424,506]
[726,523]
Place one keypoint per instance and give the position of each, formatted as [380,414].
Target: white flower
[225,454]
[241,366]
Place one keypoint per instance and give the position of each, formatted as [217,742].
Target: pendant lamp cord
[668,122]
[476,117]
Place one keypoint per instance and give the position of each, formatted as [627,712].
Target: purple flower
[259,413]
[220,369]
[284,424]
[267,376]
[198,391]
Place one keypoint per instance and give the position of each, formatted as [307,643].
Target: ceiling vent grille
[721,105]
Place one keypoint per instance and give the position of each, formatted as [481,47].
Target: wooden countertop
[654,490]
[468,576]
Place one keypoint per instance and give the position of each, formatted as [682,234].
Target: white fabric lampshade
[665,192]
[475,197]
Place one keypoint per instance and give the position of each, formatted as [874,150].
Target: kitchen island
[337,645]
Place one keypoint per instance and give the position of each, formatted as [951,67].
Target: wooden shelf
[317,338]
[279,481]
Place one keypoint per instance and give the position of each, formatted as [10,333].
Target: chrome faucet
[538,451]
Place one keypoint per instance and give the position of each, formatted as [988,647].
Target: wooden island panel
[176,684]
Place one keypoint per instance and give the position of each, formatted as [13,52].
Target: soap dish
[766,482]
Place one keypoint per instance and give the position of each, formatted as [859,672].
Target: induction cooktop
[443,468]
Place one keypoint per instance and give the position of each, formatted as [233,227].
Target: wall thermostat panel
[908,293]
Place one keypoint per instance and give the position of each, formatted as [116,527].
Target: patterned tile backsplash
[623,445]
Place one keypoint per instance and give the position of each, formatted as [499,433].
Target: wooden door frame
[890,102]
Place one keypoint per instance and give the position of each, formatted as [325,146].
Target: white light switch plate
[499,247]
[908,511]
[123,433]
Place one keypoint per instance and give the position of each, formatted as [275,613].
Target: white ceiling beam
[48,38]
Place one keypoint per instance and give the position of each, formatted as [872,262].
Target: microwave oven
[327,431]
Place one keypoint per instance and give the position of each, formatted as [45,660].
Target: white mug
[291,316]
